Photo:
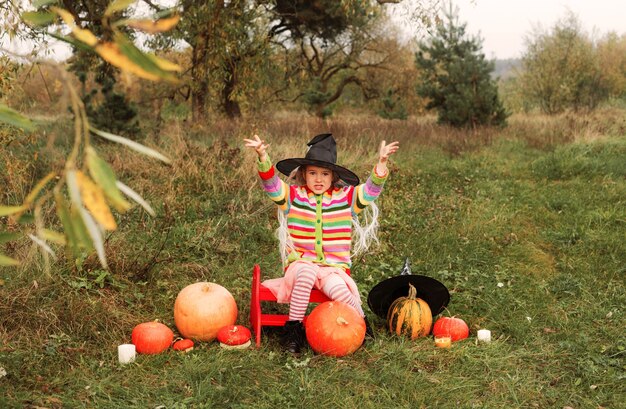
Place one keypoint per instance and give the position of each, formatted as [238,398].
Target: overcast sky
[502,24]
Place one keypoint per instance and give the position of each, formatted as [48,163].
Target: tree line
[237,58]
[241,57]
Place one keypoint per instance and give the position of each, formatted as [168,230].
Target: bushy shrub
[392,106]
[456,77]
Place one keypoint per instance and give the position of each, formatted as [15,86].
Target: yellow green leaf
[75,43]
[165,64]
[63,212]
[39,3]
[111,53]
[8,261]
[154,26]
[67,17]
[11,117]
[42,245]
[53,236]
[84,35]
[141,59]
[93,199]
[82,236]
[131,144]
[9,210]
[136,197]
[104,176]
[6,236]
[81,34]
[26,218]
[95,234]
[117,5]
[73,189]
[38,18]
[40,185]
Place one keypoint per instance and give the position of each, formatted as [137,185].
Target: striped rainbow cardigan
[320,226]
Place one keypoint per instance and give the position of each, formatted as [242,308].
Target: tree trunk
[321,106]
[198,104]
[229,104]
[319,110]
[199,84]
[198,92]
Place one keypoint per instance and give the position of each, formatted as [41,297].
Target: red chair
[260,294]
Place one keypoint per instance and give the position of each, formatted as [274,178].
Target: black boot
[369,332]
[293,337]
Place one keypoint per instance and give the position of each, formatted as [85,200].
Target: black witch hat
[428,289]
[322,152]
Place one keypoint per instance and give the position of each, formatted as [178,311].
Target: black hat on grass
[434,293]
[322,152]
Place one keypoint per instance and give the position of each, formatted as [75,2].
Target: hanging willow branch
[85,191]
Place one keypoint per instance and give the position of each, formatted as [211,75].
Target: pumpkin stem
[412,292]
[342,321]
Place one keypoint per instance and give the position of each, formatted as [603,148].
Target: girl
[317,215]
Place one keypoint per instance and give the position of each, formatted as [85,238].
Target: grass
[525,226]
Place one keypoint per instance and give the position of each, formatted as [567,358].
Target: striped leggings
[334,288]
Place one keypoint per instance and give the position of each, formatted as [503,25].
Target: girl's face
[318,179]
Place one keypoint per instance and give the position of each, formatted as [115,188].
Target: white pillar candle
[484,335]
[126,353]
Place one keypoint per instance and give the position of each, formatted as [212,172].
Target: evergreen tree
[107,107]
[392,106]
[456,77]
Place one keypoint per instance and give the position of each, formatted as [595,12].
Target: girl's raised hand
[258,145]
[387,150]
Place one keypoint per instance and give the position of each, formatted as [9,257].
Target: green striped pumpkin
[410,316]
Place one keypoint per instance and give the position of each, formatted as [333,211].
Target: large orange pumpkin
[152,337]
[334,328]
[201,309]
[410,316]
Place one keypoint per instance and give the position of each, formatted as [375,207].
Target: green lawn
[529,240]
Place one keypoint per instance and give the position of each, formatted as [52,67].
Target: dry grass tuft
[34,312]
[544,131]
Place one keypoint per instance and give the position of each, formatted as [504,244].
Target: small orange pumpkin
[410,316]
[184,345]
[455,327]
[152,337]
[234,337]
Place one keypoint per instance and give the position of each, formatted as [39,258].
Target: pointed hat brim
[286,166]
[428,289]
